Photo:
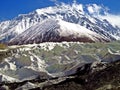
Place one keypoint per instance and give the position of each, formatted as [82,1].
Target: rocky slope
[57,31]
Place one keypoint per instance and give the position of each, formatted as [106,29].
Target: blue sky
[11,8]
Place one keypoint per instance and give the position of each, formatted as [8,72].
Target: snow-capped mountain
[57,31]
[75,13]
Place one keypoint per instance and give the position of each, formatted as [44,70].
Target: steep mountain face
[57,31]
[76,13]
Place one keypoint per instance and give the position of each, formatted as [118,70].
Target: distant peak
[95,9]
[61,8]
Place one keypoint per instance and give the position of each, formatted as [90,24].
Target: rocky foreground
[96,76]
[60,66]
[87,79]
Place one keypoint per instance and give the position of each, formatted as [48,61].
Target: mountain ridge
[75,13]
[57,31]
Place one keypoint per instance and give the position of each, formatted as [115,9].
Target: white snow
[60,28]
[71,28]
[5,78]
[3,50]
[67,29]
[27,86]
[70,13]
[61,8]
[114,52]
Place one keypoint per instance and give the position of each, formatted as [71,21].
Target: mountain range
[58,23]
[64,61]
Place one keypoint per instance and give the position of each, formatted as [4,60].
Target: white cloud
[101,11]
[113,19]
[90,9]
[94,9]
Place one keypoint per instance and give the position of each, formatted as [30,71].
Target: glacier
[50,60]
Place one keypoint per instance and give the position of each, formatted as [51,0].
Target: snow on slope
[76,30]
[57,31]
[75,13]
[62,9]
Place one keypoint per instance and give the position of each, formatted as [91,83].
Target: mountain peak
[57,30]
[75,14]
[61,9]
